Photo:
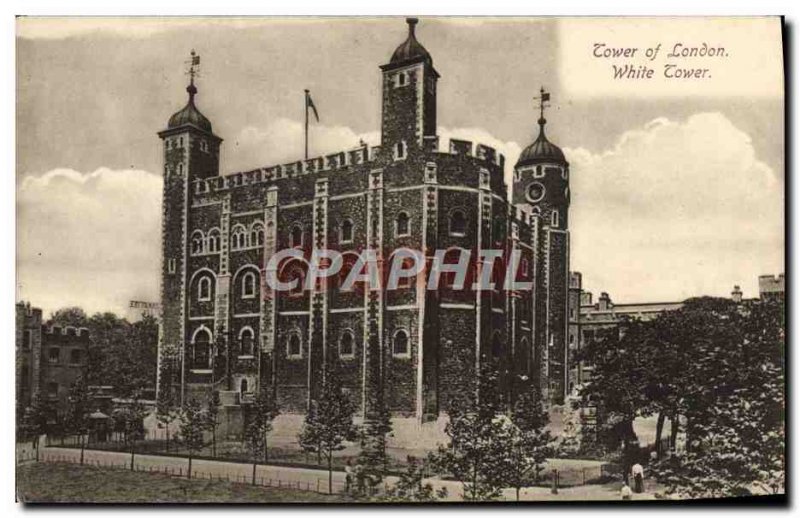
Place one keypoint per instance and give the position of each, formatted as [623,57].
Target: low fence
[319,485]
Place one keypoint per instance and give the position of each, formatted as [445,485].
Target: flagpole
[306,129]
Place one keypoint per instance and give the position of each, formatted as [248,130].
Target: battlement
[477,150]
[360,155]
[78,332]
[342,159]
[35,314]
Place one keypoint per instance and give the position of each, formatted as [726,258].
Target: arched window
[346,344]
[406,282]
[248,285]
[213,241]
[349,261]
[293,346]
[400,150]
[246,339]
[243,386]
[400,343]
[204,289]
[458,223]
[257,234]
[201,349]
[346,231]
[294,270]
[297,236]
[238,237]
[402,225]
[197,242]
[180,168]
[524,267]
[554,218]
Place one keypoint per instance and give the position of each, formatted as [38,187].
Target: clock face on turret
[535,192]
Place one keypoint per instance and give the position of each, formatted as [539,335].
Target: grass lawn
[47,482]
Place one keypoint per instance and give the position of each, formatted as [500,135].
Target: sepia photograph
[400,260]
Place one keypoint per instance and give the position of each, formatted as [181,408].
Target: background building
[48,359]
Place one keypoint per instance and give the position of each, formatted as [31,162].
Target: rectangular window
[170,265]
[53,355]
[52,389]
[75,356]
[27,341]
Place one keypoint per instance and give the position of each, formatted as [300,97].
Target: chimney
[736,294]
[604,302]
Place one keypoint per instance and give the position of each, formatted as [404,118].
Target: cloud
[89,239]
[281,141]
[675,209]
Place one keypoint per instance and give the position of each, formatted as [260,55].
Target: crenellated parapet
[68,335]
[479,151]
[321,164]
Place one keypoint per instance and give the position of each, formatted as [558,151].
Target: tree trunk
[319,455]
[330,472]
[254,470]
[673,436]
[659,430]
[517,494]
[132,454]
[266,449]
[189,470]
[214,441]
[83,447]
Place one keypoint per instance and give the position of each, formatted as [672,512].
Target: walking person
[638,478]
[348,476]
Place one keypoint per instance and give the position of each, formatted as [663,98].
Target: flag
[545,96]
[310,104]
[195,60]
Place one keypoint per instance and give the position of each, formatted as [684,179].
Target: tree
[35,421]
[735,414]
[410,486]
[329,422]
[193,424]
[79,407]
[166,402]
[130,419]
[373,458]
[259,423]
[212,414]
[527,440]
[479,439]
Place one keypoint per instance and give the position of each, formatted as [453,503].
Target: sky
[672,196]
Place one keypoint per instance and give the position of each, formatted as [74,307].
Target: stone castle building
[224,328]
[48,359]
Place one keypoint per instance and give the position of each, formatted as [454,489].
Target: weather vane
[194,65]
[544,102]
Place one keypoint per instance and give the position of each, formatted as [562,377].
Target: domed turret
[410,49]
[190,115]
[542,150]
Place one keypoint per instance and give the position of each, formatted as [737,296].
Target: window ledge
[200,371]
[245,357]
[294,356]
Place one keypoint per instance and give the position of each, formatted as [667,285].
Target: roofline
[407,62]
[183,127]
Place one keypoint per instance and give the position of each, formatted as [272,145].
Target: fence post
[554,482]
